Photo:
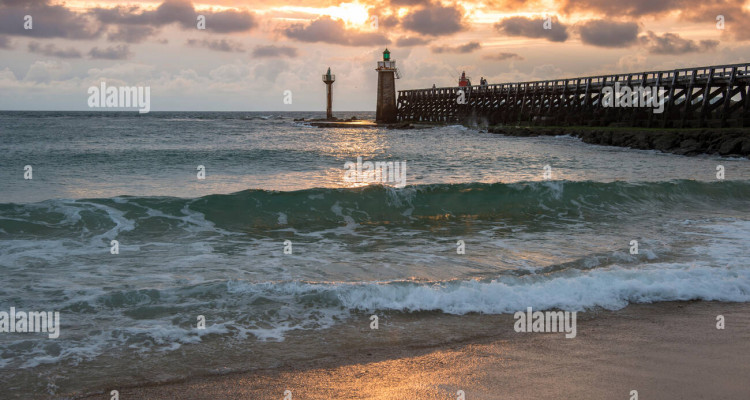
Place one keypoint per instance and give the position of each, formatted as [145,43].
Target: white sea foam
[576,290]
[610,288]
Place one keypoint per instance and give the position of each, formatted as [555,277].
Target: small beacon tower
[387,73]
[329,79]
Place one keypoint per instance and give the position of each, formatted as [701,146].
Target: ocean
[285,261]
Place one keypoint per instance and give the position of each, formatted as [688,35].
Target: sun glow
[85,5]
[353,14]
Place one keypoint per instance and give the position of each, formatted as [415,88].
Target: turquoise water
[215,246]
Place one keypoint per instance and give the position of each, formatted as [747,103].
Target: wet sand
[664,351]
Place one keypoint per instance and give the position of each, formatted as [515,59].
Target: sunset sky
[252,51]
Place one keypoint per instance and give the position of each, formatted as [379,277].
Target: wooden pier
[714,96]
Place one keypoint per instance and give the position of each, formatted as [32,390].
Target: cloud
[217,45]
[129,24]
[606,33]
[274,51]
[170,11]
[734,12]
[229,21]
[230,73]
[545,72]
[533,28]
[632,8]
[180,12]
[119,52]
[434,20]
[700,11]
[461,49]
[4,42]
[325,29]
[671,43]
[409,3]
[47,20]
[389,21]
[48,71]
[131,34]
[123,72]
[502,56]
[408,41]
[51,50]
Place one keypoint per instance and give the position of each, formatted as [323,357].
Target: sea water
[286,260]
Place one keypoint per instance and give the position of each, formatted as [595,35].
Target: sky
[254,55]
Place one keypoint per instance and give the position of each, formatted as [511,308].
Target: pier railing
[688,97]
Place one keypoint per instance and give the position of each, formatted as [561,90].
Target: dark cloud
[129,24]
[740,31]
[131,34]
[124,15]
[48,21]
[408,41]
[502,56]
[702,11]
[410,3]
[325,29]
[462,49]
[170,11]
[51,50]
[4,42]
[605,33]
[533,28]
[119,52]
[671,43]
[434,20]
[275,51]
[735,16]
[633,8]
[174,11]
[383,21]
[218,45]
[389,21]
[733,11]
[230,21]
[180,12]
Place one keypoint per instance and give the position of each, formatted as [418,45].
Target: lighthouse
[387,75]
[329,79]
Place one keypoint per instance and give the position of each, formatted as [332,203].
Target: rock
[640,141]
[731,146]
[745,150]
[400,125]
[666,141]
[688,147]
[621,139]
[688,142]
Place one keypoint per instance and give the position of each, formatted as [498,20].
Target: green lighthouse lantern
[386,55]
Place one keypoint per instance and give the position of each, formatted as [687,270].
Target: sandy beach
[669,350]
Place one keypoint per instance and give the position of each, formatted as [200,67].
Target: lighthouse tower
[329,79]
[387,75]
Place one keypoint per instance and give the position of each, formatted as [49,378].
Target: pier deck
[693,97]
